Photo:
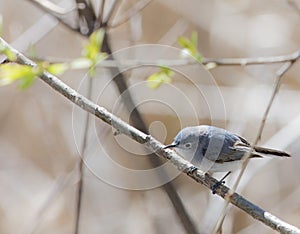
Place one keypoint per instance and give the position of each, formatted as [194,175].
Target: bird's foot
[219,183]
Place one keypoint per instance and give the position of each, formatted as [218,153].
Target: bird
[214,149]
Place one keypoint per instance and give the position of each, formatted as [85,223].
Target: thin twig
[185,62]
[140,5]
[154,145]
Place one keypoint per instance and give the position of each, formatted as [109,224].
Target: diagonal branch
[154,145]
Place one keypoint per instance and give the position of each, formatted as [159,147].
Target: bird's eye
[188,145]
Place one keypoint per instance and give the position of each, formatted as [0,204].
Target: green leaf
[190,46]
[57,68]
[91,51]
[11,72]
[154,81]
[9,54]
[184,42]
[167,71]
[160,77]
[93,47]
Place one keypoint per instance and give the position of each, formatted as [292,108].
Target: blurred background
[42,133]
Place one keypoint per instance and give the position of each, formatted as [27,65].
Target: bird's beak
[173,144]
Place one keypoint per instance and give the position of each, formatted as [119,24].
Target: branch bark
[157,147]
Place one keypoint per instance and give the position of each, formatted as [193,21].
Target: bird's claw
[216,186]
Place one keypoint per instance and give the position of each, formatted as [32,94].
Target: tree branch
[183,62]
[154,145]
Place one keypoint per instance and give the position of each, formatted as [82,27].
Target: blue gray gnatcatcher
[213,149]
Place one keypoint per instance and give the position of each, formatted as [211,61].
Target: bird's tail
[274,152]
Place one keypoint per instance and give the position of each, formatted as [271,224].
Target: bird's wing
[243,146]
[233,148]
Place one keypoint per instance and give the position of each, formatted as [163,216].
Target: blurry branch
[279,74]
[140,5]
[217,61]
[184,62]
[252,61]
[154,145]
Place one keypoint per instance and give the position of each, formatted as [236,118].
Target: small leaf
[160,77]
[190,46]
[9,54]
[184,42]
[81,63]
[167,71]
[93,47]
[11,72]
[154,81]
[57,68]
